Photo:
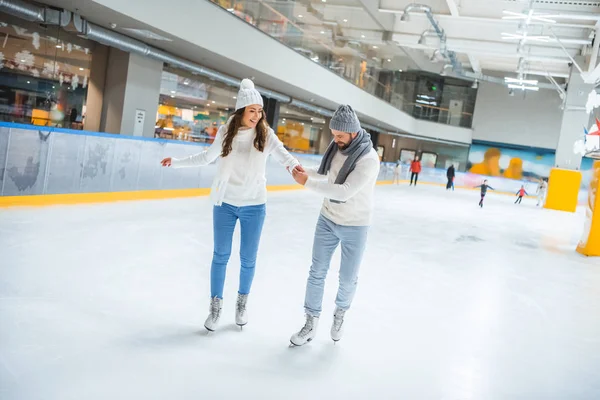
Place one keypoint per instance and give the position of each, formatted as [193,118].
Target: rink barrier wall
[44,166]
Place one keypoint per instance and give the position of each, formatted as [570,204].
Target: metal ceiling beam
[453,8]
[485,20]
[474,63]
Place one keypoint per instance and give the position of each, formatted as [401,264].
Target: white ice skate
[212,321]
[337,328]
[241,317]
[307,333]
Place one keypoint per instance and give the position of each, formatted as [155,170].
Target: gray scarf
[360,146]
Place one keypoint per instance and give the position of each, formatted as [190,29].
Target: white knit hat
[247,95]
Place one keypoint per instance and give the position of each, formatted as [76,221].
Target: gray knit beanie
[344,119]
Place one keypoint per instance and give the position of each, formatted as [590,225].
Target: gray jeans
[327,237]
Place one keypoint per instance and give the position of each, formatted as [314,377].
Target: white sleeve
[312,173]
[279,152]
[203,158]
[365,170]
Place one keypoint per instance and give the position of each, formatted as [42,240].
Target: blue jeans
[327,237]
[224,220]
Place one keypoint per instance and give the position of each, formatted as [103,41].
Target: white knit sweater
[356,193]
[240,179]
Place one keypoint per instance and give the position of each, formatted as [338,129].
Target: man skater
[450,174]
[415,169]
[541,192]
[346,178]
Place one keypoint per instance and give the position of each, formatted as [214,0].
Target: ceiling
[479,32]
[374,31]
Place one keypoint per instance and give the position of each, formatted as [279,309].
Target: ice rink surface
[454,302]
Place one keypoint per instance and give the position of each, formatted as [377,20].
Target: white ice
[454,302]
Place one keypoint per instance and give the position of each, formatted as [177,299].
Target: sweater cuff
[311,183]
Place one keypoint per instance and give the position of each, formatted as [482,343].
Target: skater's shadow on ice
[307,361]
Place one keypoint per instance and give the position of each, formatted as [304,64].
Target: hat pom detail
[247,84]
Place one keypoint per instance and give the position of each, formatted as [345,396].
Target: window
[300,130]
[192,108]
[44,74]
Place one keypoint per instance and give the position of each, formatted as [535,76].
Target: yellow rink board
[563,189]
[589,244]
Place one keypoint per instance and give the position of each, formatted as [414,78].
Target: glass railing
[301,27]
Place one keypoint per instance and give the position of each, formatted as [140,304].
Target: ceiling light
[529,17]
[345,20]
[234,97]
[172,96]
[214,102]
[324,1]
[81,69]
[362,36]
[58,46]
[524,37]
[322,32]
[172,91]
[374,47]
[520,81]
[523,87]
[208,105]
[389,60]
[22,61]
[300,16]
[28,81]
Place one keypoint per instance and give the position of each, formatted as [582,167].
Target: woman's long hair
[262,129]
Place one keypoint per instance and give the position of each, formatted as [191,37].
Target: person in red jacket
[522,192]
[415,168]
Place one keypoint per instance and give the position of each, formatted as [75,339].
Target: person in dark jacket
[450,174]
[522,192]
[484,187]
[415,168]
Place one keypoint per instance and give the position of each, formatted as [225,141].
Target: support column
[95,93]
[131,94]
[565,178]
[325,138]
[271,107]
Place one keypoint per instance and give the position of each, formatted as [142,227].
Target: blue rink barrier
[45,160]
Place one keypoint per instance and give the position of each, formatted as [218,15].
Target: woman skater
[484,187]
[238,192]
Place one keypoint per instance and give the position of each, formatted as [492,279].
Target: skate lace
[214,308]
[338,320]
[241,304]
[308,326]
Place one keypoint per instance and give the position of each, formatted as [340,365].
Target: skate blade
[292,344]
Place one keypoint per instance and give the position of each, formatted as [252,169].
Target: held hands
[300,175]
[166,162]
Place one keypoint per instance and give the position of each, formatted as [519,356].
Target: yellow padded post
[589,245]
[563,189]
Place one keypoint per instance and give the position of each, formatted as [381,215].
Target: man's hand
[300,176]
